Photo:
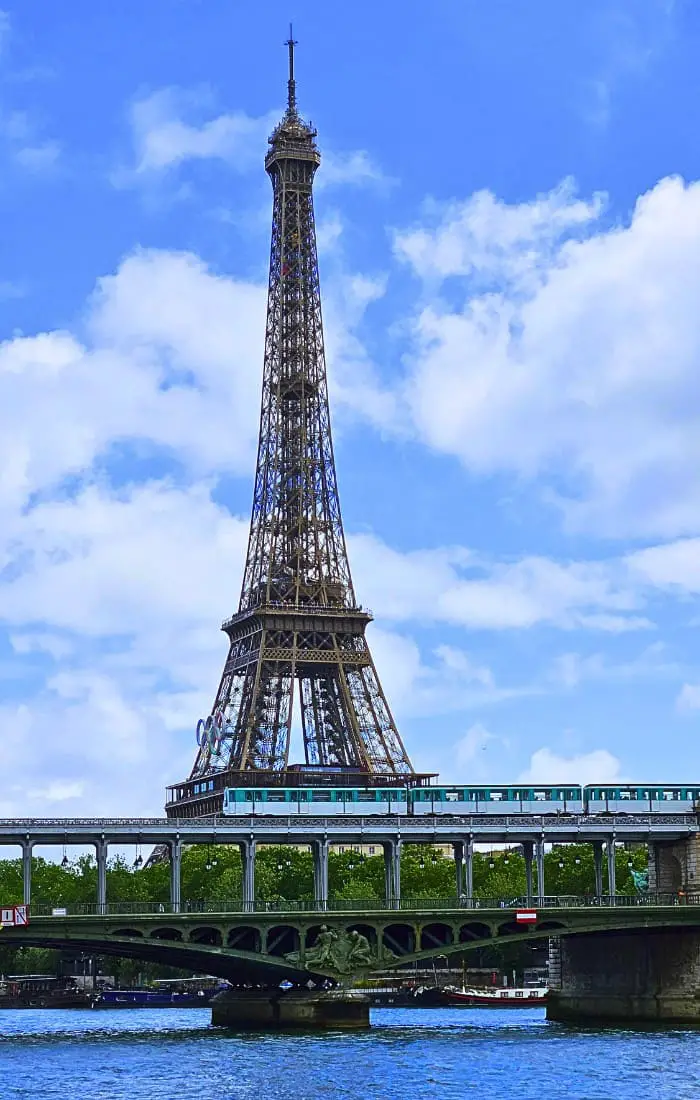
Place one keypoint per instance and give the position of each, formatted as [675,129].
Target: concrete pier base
[626,977]
[260,1009]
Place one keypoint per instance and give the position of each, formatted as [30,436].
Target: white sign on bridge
[14,916]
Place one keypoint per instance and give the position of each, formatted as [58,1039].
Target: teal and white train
[515,799]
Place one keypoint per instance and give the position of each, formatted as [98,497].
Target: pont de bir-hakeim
[299,626]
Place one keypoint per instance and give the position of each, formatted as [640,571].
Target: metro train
[413,801]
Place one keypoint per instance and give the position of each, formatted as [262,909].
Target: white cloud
[571,669]
[454,585]
[172,360]
[58,792]
[546,766]
[40,157]
[356,168]
[137,582]
[673,565]
[21,138]
[688,698]
[566,352]
[163,139]
[170,127]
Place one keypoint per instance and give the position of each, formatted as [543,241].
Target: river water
[166,1054]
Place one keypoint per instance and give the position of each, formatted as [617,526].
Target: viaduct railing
[364,905]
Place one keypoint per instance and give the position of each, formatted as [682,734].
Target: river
[175,1054]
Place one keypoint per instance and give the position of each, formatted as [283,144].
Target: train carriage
[314,801]
[496,800]
[615,798]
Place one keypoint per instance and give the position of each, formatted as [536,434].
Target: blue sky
[509,233]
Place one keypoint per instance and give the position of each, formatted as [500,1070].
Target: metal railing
[369,823]
[365,905]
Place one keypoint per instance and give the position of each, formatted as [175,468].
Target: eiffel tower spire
[299,629]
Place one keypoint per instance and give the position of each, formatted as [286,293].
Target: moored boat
[497,997]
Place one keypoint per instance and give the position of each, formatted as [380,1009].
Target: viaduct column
[612,886]
[458,849]
[320,854]
[175,874]
[540,869]
[101,848]
[464,868]
[27,870]
[248,849]
[392,872]
[598,867]
[527,852]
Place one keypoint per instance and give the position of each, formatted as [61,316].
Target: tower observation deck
[299,628]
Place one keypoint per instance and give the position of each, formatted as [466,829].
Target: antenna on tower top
[291,83]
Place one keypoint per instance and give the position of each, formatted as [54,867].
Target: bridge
[673,841]
[273,943]
[610,956]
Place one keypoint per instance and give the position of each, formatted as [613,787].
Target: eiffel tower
[299,626]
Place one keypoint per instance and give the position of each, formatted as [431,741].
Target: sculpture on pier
[342,952]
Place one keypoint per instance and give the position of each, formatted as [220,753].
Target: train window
[539,796]
[496,796]
[451,796]
[320,796]
[670,796]
[366,796]
[625,795]
[277,796]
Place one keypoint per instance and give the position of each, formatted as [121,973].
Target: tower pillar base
[269,1009]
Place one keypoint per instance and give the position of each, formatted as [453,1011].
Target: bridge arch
[174,934]
[206,935]
[399,938]
[282,939]
[476,930]
[245,938]
[437,934]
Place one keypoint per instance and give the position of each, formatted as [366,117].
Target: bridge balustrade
[362,905]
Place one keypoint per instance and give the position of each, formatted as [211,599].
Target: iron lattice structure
[299,623]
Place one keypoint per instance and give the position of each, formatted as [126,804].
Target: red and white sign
[526,916]
[14,916]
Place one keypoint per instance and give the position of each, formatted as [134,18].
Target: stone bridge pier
[649,975]
[675,865]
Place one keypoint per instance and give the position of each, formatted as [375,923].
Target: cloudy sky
[509,227]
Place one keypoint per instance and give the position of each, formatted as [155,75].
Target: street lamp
[577,861]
